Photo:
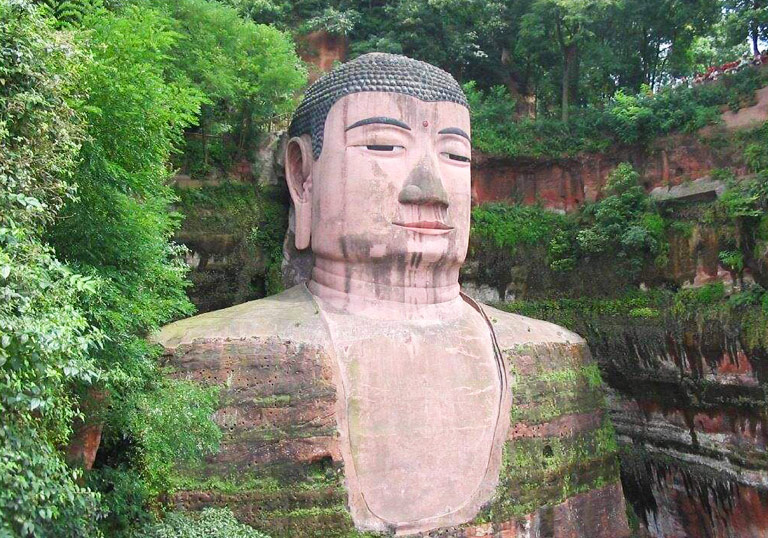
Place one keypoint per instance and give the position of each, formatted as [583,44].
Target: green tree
[623,226]
[747,20]
[118,230]
[70,13]
[45,338]
[247,73]
[571,24]
[89,118]
[653,40]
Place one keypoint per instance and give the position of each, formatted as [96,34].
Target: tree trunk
[754,30]
[755,39]
[569,54]
[574,96]
[525,101]
[204,134]
[246,122]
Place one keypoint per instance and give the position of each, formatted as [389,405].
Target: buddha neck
[385,292]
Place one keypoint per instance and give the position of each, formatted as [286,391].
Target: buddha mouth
[428,227]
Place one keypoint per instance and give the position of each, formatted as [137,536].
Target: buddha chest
[419,417]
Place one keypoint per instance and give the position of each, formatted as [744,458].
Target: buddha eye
[455,157]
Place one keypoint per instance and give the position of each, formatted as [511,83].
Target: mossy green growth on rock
[545,471]
[281,500]
[235,234]
[661,338]
[742,315]
[544,397]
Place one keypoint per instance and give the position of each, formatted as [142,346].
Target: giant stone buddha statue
[433,413]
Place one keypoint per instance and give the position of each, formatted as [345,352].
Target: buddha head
[378,169]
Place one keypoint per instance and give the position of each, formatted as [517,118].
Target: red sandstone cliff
[566,183]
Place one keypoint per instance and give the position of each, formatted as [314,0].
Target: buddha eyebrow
[379,119]
[456,131]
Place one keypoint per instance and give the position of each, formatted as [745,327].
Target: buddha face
[391,185]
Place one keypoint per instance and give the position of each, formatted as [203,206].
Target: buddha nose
[424,187]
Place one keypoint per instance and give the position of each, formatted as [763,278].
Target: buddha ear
[298,174]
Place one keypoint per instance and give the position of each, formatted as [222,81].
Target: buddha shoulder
[289,316]
[513,330]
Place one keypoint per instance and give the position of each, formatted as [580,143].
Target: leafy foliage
[512,226]
[741,315]
[45,338]
[246,73]
[619,240]
[171,425]
[39,494]
[118,230]
[333,21]
[747,19]
[70,13]
[621,225]
[626,119]
[88,121]
[210,523]
[552,57]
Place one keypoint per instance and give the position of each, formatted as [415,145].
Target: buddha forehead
[385,110]
[375,73]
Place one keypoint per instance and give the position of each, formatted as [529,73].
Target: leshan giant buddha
[377,397]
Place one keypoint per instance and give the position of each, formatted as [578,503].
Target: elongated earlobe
[298,174]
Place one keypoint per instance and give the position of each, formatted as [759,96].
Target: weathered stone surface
[681,499]
[691,418]
[702,189]
[86,435]
[559,445]
[481,292]
[321,51]
[565,184]
[751,116]
[281,468]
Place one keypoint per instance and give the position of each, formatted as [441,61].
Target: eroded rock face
[565,184]
[322,51]
[690,414]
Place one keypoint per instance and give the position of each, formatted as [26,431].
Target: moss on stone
[236,231]
[282,500]
[551,394]
[540,472]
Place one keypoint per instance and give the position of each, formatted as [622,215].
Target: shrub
[513,226]
[626,119]
[210,523]
[623,226]
[510,238]
[45,338]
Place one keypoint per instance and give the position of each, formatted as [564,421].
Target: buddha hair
[374,72]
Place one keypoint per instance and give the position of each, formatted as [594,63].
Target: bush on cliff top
[625,119]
